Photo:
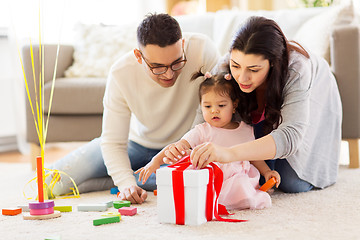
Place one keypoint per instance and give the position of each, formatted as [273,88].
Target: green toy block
[106,220]
[120,204]
[53,238]
[63,208]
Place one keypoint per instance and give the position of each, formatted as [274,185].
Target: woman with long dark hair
[291,98]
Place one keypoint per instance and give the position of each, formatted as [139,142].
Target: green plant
[317,3]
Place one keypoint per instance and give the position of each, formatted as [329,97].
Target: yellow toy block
[63,208]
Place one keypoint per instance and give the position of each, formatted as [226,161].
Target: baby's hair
[219,84]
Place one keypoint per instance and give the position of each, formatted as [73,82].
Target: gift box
[195,184]
[188,196]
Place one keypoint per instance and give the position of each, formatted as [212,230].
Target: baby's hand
[147,170]
[275,174]
[176,151]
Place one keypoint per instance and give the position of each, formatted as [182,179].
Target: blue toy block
[114,190]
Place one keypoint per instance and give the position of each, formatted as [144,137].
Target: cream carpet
[333,213]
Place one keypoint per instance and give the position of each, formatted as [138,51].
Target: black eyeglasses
[175,66]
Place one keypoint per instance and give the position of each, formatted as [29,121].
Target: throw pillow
[98,47]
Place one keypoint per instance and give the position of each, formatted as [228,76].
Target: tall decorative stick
[40,183]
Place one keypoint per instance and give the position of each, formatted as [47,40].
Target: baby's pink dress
[240,189]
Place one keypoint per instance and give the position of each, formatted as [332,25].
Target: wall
[20,18]
[7,104]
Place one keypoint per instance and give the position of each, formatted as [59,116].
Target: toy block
[100,207]
[53,238]
[27,216]
[25,208]
[100,221]
[11,211]
[43,211]
[155,192]
[120,204]
[268,185]
[128,211]
[63,208]
[109,204]
[114,190]
[41,205]
[111,214]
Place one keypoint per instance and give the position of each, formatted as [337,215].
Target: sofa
[76,112]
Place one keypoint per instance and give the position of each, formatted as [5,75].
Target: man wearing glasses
[149,103]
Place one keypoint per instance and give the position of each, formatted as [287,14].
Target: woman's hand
[272,173]
[206,153]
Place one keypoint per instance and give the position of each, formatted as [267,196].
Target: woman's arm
[263,148]
[161,158]
[260,149]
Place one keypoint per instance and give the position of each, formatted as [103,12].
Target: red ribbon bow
[215,175]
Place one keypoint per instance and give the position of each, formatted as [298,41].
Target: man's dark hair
[158,29]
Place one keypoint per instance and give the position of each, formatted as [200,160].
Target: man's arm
[114,140]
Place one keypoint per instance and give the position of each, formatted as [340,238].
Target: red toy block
[11,211]
[128,211]
[268,185]
[155,192]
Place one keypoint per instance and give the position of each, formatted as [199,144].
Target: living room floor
[53,151]
[331,213]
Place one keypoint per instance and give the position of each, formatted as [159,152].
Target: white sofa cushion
[226,23]
[315,33]
[197,23]
[99,46]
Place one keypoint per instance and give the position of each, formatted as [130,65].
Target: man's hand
[134,194]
